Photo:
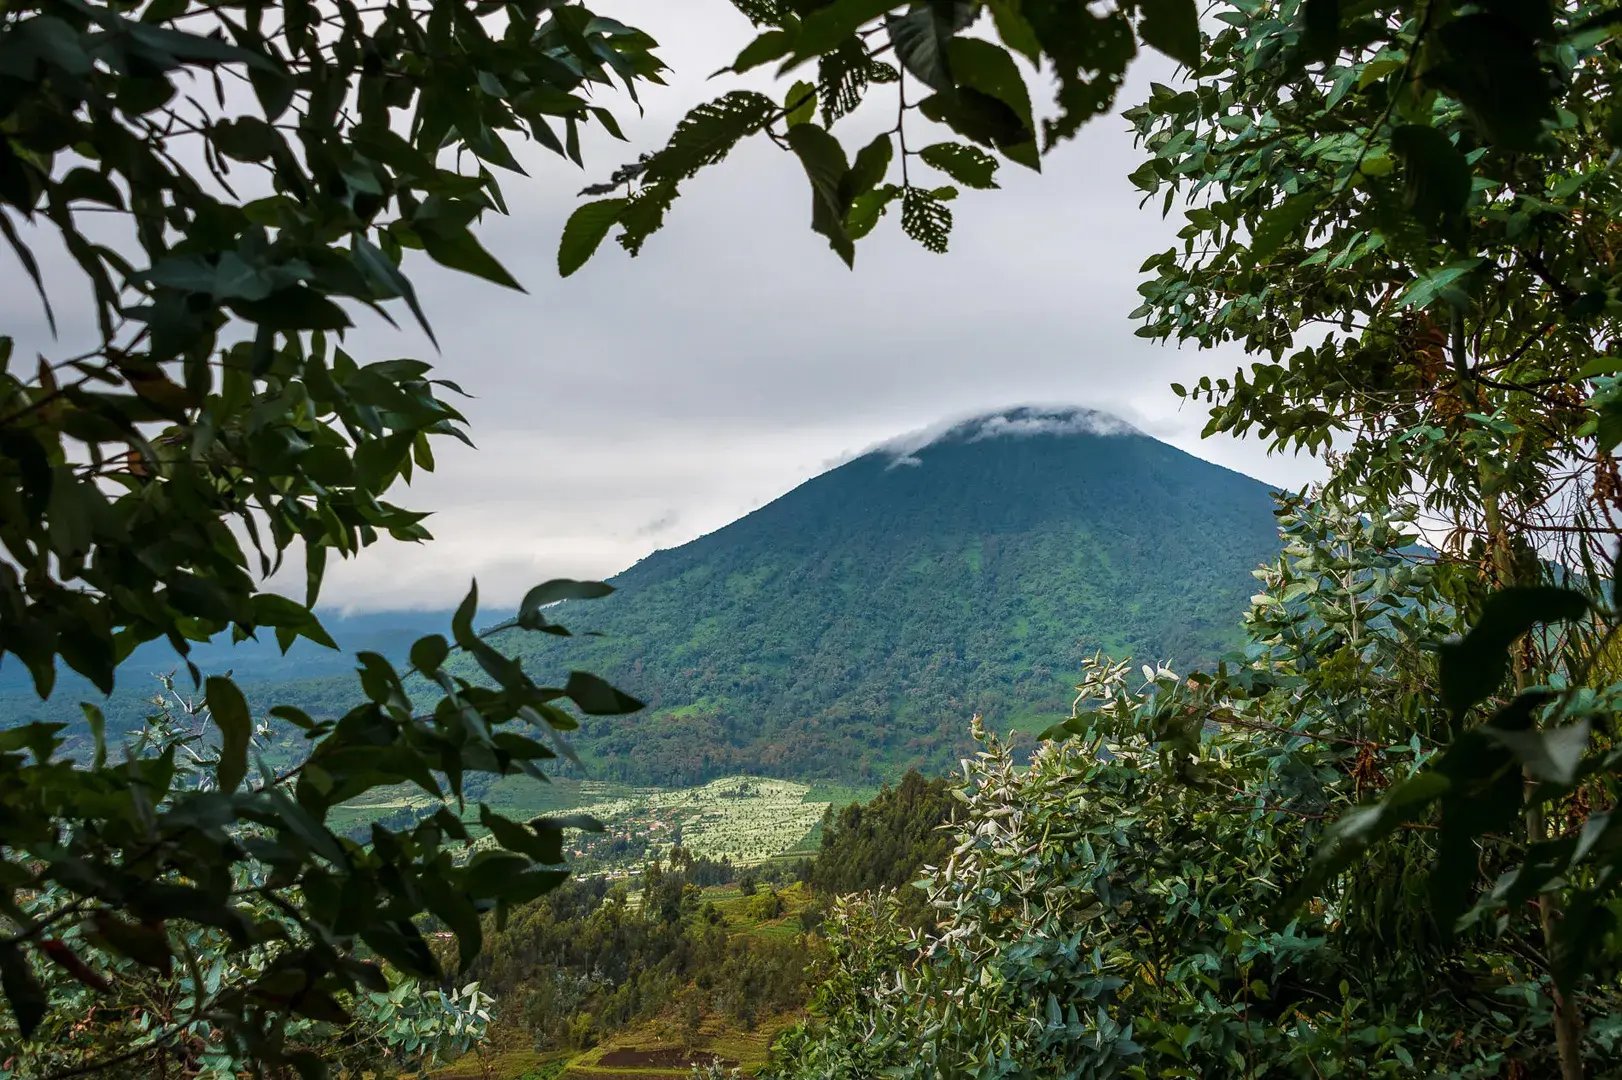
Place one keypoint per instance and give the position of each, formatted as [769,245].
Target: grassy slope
[625,1055]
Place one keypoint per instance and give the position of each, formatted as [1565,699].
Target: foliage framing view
[1422,193]
[265,162]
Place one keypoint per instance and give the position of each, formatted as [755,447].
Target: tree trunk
[1568,1024]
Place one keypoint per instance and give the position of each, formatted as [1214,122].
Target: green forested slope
[852,627]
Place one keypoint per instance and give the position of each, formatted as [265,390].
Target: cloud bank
[1018,422]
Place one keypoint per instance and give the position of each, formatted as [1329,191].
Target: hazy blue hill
[852,626]
[314,673]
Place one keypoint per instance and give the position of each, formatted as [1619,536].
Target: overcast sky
[644,402]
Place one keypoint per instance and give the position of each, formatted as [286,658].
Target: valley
[797,666]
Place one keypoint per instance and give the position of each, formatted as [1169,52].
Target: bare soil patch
[667,1057]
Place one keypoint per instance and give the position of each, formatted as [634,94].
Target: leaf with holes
[968,165]
[708,133]
[926,218]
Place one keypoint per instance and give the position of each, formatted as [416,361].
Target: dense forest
[1378,837]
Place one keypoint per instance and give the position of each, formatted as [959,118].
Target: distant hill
[851,627]
[312,672]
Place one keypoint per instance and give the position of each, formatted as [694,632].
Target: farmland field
[744,819]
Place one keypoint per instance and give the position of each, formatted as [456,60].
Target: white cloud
[1016,422]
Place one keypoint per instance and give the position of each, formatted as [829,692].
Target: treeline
[884,843]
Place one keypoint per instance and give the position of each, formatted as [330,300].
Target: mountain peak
[1015,422]
[852,625]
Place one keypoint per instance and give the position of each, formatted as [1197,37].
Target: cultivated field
[745,819]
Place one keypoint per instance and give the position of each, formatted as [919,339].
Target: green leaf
[1146,177]
[1552,755]
[269,609]
[765,48]
[921,38]
[551,592]
[585,231]
[454,908]
[428,653]
[229,711]
[866,209]
[297,308]
[1435,174]
[869,169]
[563,589]
[197,48]
[968,165]
[1613,123]
[457,249]
[1426,289]
[1173,27]
[824,162]
[1474,667]
[1015,31]
[828,27]
[386,277]
[275,91]
[1488,60]
[98,733]
[596,697]
[1280,225]
[985,120]
[990,69]
[799,104]
[246,138]
[146,944]
[1605,365]
[23,990]
[522,839]
[1320,29]
[24,253]
[1354,831]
